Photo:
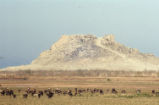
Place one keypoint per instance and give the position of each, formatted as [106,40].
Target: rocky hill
[88,52]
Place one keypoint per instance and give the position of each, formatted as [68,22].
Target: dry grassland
[71,80]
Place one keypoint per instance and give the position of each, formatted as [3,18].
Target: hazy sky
[28,27]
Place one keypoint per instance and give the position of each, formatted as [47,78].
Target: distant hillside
[88,52]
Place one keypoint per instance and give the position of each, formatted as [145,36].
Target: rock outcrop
[88,52]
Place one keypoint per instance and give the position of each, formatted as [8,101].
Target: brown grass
[85,79]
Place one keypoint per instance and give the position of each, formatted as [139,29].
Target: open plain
[130,90]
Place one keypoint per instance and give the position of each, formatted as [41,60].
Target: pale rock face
[88,52]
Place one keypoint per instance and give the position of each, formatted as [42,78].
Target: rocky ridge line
[88,52]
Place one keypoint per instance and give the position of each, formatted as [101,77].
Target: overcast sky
[28,27]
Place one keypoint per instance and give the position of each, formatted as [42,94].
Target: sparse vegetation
[105,80]
[81,73]
[108,79]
